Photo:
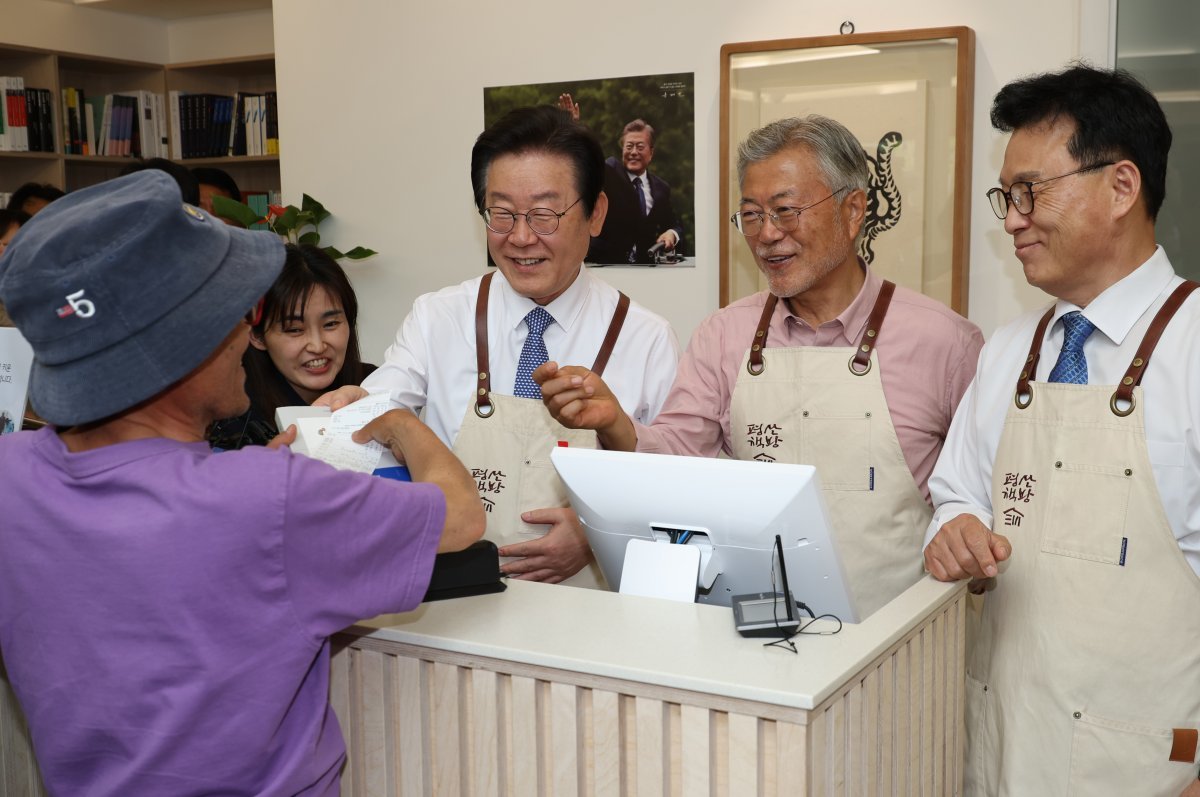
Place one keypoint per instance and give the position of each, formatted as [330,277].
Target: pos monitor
[730,509]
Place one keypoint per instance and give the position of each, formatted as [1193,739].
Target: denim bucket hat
[122,290]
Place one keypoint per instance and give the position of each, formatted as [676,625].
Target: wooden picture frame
[919,84]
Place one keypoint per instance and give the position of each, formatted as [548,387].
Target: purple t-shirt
[165,611]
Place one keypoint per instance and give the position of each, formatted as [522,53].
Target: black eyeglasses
[1020,194]
[543,221]
[785,219]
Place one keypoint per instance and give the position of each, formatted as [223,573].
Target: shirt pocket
[1118,758]
[1086,512]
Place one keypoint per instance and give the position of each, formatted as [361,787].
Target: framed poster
[908,97]
[646,125]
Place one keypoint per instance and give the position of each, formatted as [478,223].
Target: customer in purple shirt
[832,366]
[165,611]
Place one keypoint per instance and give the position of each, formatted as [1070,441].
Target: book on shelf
[271,123]
[15,137]
[94,114]
[40,119]
[124,123]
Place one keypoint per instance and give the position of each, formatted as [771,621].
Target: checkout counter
[561,691]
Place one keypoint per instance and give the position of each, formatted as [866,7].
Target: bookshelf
[98,76]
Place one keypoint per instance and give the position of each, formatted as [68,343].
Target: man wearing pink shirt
[848,372]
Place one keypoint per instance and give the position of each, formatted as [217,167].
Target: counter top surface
[649,640]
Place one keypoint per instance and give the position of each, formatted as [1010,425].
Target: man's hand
[567,104]
[561,553]
[965,548]
[339,398]
[284,438]
[578,399]
[428,460]
[669,240]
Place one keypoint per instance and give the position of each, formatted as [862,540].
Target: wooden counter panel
[506,734]
[897,727]
[472,725]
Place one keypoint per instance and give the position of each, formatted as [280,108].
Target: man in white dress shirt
[1067,490]
[465,353]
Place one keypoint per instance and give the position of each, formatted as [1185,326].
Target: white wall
[77,29]
[74,29]
[380,103]
[220,36]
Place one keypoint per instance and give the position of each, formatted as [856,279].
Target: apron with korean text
[1085,675]
[824,406]
[505,443]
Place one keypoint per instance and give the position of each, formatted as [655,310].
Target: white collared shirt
[962,480]
[431,364]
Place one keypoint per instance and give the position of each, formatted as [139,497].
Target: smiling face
[1065,235]
[637,151]
[308,350]
[540,267]
[822,243]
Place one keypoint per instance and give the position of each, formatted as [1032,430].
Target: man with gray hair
[808,371]
[164,610]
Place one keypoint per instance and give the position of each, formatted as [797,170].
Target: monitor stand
[660,570]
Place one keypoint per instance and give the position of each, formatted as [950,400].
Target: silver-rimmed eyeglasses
[1020,194]
[543,221]
[785,219]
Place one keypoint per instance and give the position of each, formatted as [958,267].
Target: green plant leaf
[287,222]
[242,214]
[316,208]
[360,252]
[333,252]
[313,238]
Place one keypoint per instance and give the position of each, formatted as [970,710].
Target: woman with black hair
[304,344]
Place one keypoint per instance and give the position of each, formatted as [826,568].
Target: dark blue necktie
[533,354]
[1072,365]
[641,194]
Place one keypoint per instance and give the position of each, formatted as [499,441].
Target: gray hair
[840,158]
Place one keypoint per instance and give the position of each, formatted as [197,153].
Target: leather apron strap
[859,364]
[610,337]
[1023,395]
[1141,359]
[483,404]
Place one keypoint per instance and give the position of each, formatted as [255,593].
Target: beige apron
[824,406]
[505,442]
[1085,677]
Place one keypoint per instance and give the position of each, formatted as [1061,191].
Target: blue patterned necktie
[641,194]
[533,354]
[1072,365]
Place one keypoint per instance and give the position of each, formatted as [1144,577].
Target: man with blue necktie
[464,354]
[1067,490]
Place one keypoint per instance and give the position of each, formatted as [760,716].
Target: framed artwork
[908,97]
[646,124]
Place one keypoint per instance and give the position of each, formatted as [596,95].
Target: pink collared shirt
[927,357]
